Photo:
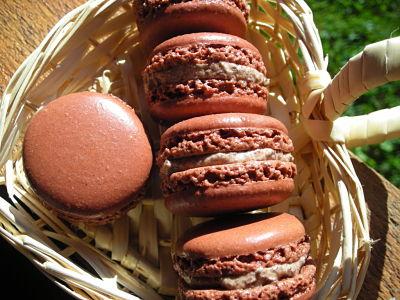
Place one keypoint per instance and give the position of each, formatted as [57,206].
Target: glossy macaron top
[87,155]
[240,235]
[221,121]
[206,39]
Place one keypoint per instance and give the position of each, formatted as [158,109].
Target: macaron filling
[262,275]
[265,154]
[216,70]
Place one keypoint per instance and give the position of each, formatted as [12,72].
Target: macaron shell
[269,291]
[220,121]
[240,234]
[87,154]
[196,107]
[308,294]
[205,38]
[104,217]
[192,16]
[232,198]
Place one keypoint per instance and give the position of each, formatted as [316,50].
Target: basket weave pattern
[96,47]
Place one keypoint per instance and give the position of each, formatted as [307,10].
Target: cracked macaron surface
[225,163]
[261,256]
[205,73]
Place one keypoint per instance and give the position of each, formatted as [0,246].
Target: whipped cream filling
[257,278]
[219,70]
[177,165]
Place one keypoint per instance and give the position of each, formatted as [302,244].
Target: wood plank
[24,23]
[383,200]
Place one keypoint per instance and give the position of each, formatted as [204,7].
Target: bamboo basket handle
[377,64]
[372,128]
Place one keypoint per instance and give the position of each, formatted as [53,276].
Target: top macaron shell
[87,155]
[240,235]
[217,121]
[159,20]
[205,73]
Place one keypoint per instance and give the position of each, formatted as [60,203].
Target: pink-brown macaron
[225,163]
[87,156]
[258,256]
[158,20]
[205,73]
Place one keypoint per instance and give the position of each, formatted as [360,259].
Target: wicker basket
[96,47]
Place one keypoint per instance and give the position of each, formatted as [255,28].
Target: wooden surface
[24,23]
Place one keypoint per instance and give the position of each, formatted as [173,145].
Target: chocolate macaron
[87,156]
[205,73]
[158,20]
[225,163]
[256,256]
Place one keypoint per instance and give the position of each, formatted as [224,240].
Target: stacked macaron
[224,155]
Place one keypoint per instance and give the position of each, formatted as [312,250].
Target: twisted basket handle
[377,64]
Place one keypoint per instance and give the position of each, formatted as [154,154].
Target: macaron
[225,163]
[205,73]
[87,156]
[255,256]
[158,20]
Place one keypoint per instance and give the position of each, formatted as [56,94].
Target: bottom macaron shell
[97,219]
[300,287]
[232,198]
[179,110]
[307,294]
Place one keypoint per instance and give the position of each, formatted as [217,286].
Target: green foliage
[346,27]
